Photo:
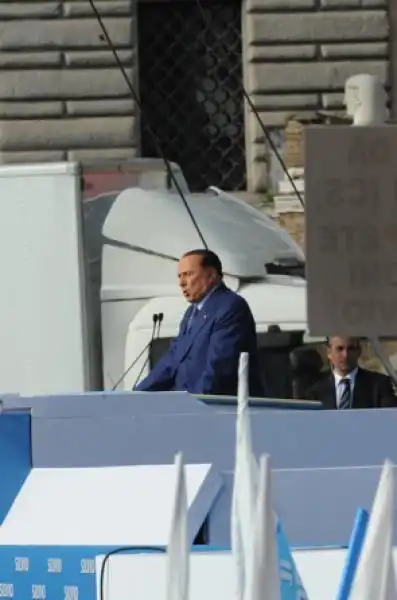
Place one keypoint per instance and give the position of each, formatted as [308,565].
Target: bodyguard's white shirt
[339,386]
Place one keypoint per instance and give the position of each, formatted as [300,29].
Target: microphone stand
[155,318]
[160,318]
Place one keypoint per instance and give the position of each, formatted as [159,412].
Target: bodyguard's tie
[345,399]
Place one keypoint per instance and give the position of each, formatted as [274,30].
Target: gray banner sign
[351,230]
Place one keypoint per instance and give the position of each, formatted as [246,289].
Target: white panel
[106,506]
[212,575]
[42,304]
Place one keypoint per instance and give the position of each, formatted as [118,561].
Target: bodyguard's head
[343,353]
[198,272]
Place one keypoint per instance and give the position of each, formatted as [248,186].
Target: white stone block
[287,204]
[285,186]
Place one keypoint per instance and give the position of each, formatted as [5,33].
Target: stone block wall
[298,54]
[61,94]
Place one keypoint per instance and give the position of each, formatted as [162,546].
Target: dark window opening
[190,85]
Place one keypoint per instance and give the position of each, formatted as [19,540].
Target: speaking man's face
[195,280]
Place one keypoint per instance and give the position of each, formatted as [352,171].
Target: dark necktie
[195,311]
[345,400]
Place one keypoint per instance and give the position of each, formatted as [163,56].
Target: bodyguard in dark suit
[347,385]
[216,328]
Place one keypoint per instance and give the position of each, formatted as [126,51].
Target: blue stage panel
[316,506]
[68,572]
[44,572]
[294,439]
[98,404]
[50,572]
[15,457]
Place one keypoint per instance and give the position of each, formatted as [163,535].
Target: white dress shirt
[339,386]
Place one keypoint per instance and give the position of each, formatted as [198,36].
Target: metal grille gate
[190,84]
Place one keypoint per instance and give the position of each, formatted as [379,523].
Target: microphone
[155,318]
[160,318]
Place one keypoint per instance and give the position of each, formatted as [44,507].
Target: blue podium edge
[16,456]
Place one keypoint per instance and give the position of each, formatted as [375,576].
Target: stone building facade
[63,97]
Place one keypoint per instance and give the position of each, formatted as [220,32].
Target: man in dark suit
[347,385]
[215,329]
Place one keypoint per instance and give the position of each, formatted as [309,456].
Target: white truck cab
[144,235]
[81,292]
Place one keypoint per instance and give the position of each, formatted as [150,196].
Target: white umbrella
[244,484]
[263,578]
[375,576]
[178,551]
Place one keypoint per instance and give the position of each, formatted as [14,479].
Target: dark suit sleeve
[387,398]
[228,340]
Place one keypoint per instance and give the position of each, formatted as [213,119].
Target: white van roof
[157,223]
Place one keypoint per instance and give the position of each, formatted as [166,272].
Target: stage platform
[326,463]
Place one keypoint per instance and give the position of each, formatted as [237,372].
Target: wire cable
[122,550]
[267,135]
[156,142]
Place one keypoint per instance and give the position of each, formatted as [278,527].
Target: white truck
[88,257]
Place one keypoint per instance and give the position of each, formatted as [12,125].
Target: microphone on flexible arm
[155,318]
[160,320]
[160,317]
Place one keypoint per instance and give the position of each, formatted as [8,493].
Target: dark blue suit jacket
[204,360]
